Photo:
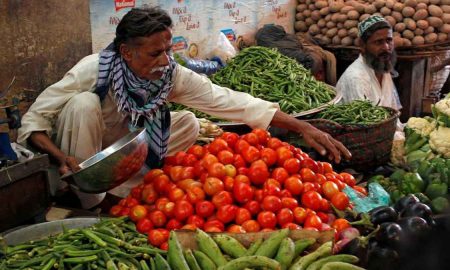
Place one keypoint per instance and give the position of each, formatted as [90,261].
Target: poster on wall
[197,23]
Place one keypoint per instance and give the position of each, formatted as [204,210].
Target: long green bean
[356,112]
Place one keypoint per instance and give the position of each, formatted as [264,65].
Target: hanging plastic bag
[377,196]
[207,67]
[217,46]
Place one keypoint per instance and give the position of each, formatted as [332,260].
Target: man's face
[148,57]
[379,52]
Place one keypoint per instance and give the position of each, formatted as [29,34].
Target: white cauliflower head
[443,106]
[440,141]
[421,125]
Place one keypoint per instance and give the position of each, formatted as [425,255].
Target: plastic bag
[377,196]
[274,36]
[207,67]
[217,46]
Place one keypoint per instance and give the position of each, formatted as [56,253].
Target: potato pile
[335,22]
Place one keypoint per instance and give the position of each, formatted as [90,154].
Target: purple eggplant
[389,234]
[418,210]
[405,201]
[383,214]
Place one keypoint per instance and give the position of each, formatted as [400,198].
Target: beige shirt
[190,89]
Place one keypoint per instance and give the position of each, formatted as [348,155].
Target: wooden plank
[23,169]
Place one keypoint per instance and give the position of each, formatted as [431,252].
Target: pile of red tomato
[247,183]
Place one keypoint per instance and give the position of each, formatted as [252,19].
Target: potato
[418,40]
[406,42]
[408,12]
[299,16]
[300,26]
[347,41]
[400,27]
[346,9]
[410,24]
[408,34]
[326,40]
[445,2]
[421,6]
[422,24]
[309,22]
[324,30]
[363,17]
[442,37]
[315,15]
[390,3]
[348,24]
[324,11]
[342,33]
[435,11]
[353,15]
[391,20]
[358,7]
[385,11]
[377,14]
[445,8]
[342,18]
[321,4]
[397,16]
[420,14]
[336,6]
[398,41]
[431,38]
[328,18]
[398,7]
[322,23]
[379,4]
[435,22]
[418,32]
[426,2]
[314,29]
[331,24]
[435,2]
[353,32]
[411,3]
[336,40]
[370,9]
[429,30]
[446,18]
[340,25]
[445,28]
[311,7]
[302,7]
[331,32]
[307,13]
[335,17]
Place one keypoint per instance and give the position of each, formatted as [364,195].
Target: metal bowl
[112,166]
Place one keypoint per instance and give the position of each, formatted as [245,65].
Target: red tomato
[176,173]
[292,226]
[323,217]
[144,225]
[226,213]
[329,188]
[242,192]
[208,159]
[228,183]
[263,135]
[312,200]
[271,203]
[222,198]
[284,216]
[280,174]
[285,193]
[239,161]
[242,215]
[253,207]
[158,218]
[242,170]
[137,212]
[308,186]
[300,214]
[164,246]
[150,175]
[287,202]
[325,205]
[251,138]
[161,203]
[292,165]
[179,157]
[340,200]
[294,185]
[283,154]
[348,179]
[251,226]
[240,146]
[313,221]
[189,227]
[235,229]
[269,156]
[115,210]
[274,143]
[196,220]
[213,186]
[204,209]
[327,167]
[258,174]
[230,137]
[251,154]
[183,210]
[214,223]
[197,150]
[149,195]
[187,173]
[216,170]
[176,194]
[189,160]
[161,183]
[136,192]
[267,219]
[156,237]
[340,224]
[310,164]
[217,145]
[307,175]
[195,194]
[259,195]
[230,170]
[360,189]
[271,189]
[173,224]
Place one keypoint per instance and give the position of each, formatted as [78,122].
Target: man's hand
[68,164]
[319,140]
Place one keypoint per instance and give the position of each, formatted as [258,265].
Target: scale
[13,121]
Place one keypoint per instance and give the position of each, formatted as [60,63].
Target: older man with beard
[369,76]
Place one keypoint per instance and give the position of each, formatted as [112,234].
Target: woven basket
[370,145]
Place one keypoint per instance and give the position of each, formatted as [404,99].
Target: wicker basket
[370,145]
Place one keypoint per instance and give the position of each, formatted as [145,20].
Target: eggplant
[357,246]
[405,201]
[414,226]
[383,214]
[418,210]
[390,234]
[381,257]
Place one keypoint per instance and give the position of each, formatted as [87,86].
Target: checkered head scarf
[369,22]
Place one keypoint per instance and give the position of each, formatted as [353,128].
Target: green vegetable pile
[113,243]
[267,74]
[356,112]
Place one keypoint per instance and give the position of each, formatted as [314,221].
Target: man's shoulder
[356,69]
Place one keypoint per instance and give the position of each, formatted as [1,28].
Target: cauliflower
[421,125]
[440,141]
[441,111]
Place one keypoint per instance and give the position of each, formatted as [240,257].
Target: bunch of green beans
[361,112]
[111,244]
[267,74]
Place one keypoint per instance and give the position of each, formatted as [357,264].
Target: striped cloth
[144,100]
